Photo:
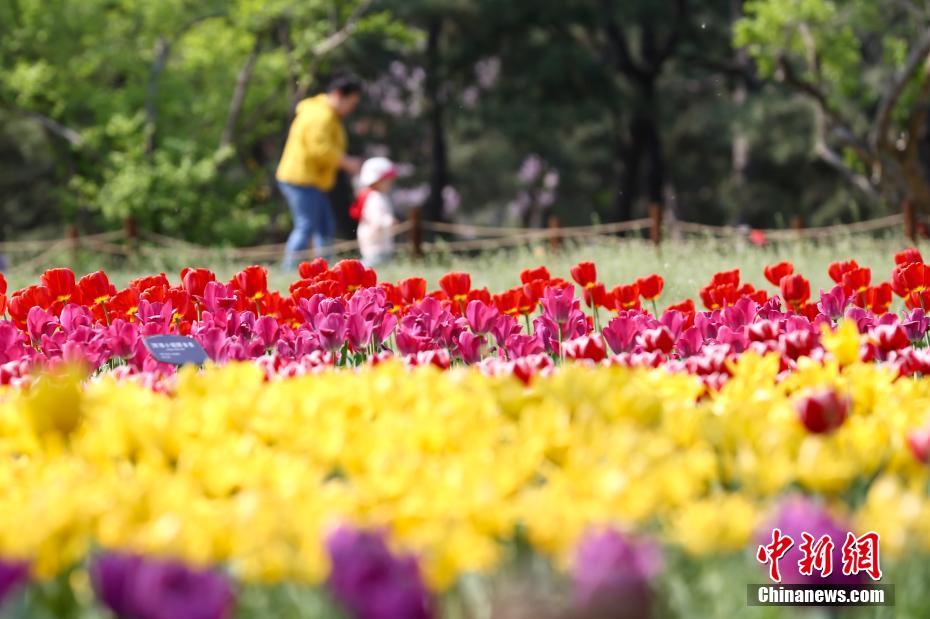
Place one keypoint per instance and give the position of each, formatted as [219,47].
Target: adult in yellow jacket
[314,153]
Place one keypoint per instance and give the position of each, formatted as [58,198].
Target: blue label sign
[176,349]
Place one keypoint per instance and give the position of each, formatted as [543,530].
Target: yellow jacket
[315,145]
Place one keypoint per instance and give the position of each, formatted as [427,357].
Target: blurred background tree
[723,111]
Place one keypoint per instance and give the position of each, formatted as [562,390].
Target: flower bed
[340,455]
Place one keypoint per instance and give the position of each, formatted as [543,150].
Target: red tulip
[857,280]
[836,270]
[353,274]
[534,290]
[909,278]
[795,290]
[21,301]
[774,272]
[412,289]
[918,299]
[596,296]
[658,339]
[508,302]
[908,256]
[718,296]
[890,337]
[918,441]
[124,304]
[726,278]
[823,411]
[309,270]
[251,282]
[878,298]
[395,297]
[685,307]
[625,296]
[586,347]
[150,281]
[530,275]
[650,287]
[195,281]
[2,284]
[585,274]
[61,286]
[456,285]
[95,288]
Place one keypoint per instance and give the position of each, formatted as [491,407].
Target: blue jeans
[313,219]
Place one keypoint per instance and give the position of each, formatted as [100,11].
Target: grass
[686,265]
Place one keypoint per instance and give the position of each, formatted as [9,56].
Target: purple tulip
[620,333]
[481,317]
[369,582]
[520,345]
[331,329]
[40,322]
[134,587]
[740,313]
[915,324]
[690,343]
[470,347]
[800,514]
[832,304]
[504,328]
[558,303]
[12,575]
[612,571]
[12,343]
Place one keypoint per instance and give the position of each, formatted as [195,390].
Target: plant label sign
[176,349]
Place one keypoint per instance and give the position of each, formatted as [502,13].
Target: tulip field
[555,438]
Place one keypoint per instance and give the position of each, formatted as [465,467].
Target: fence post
[555,240]
[797,224]
[416,232]
[655,226]
[131,230]
[74,241]
[910,221]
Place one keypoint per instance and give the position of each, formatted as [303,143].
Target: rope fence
[447,238]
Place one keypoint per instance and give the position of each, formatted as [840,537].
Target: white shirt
[374,237]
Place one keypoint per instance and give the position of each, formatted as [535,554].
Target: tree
[864,66]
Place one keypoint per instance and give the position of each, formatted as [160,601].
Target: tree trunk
[439,174]
[918,189]
[237,101]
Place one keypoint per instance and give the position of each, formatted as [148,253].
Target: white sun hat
[376,169]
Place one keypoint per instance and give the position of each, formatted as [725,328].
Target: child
[373,211]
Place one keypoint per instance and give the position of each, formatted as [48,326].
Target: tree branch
[835,161]
[787,74]
[879,134]
[238,97]
[51,125]
[333,41]
[681,21]
[918,117]
[162,51]
[622,57]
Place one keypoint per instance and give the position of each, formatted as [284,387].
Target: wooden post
[797,223]
[910,221]
[132,235]
[416,233]
[74,241]
[555,241]
[655,228]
